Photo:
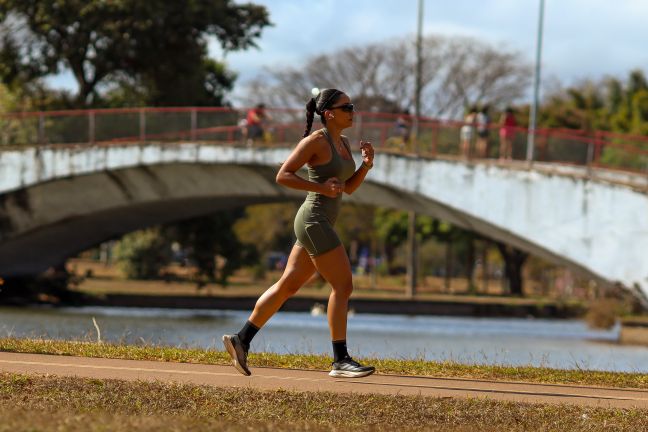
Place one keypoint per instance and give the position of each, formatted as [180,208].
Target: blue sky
[582,38]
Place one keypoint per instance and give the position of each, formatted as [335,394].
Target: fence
[388,132]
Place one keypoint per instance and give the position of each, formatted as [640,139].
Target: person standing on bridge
[255,123]
[467,131]
[508,128]
[331,171]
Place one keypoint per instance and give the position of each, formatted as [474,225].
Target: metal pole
[91,127]
[411,257]
[536,88]
[41,129]
[419,74]
[142,125]
[411,228]
[194,124]
[590,158]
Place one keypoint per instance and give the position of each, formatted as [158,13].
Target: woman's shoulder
[317,136]
[315,139]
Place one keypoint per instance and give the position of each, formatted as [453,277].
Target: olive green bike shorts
[315,232]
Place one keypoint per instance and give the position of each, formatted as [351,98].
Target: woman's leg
[335,268]
[297,272]
[465,148]
[481,150]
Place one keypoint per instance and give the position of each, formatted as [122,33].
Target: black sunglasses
[347,107]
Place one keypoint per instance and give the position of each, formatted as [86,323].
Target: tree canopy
[609,104]
[457,72]
[157,45]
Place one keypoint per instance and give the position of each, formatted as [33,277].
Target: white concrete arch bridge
[58,198]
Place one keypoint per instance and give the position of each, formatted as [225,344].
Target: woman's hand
[332,187]
[367,153]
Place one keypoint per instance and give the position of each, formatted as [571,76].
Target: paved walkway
[303,380]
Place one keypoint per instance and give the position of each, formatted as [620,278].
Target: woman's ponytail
[311,106]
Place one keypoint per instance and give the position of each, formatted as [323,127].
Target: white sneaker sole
[349,374]
[232,352]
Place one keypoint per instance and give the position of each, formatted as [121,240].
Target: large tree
[457,72]
[211,239]
[269,227]
[609,104]
[161,45]
[514,260]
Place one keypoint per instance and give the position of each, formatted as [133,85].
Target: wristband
[367,165]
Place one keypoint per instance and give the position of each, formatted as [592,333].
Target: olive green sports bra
[338,167]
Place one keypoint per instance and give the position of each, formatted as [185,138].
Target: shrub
[141,254]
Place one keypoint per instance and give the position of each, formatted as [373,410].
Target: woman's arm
[356,179]
[300,156]
[367,163]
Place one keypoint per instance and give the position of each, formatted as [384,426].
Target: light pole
[419,75]
[536,88]
[411,222]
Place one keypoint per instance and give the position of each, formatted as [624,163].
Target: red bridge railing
[436,137]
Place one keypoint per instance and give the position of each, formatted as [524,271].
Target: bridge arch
[60,201]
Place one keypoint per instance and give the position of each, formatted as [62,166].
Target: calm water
[552,343]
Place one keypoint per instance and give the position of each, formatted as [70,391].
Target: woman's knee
[343,289]
[289,284]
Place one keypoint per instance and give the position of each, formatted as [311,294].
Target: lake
[566,344]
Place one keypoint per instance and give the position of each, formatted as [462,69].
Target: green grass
[635,319]
[318,362]
[77,404]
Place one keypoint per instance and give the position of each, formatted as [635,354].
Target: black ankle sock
[339,350]
[246,334]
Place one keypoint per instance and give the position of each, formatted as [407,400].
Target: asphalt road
[308,380]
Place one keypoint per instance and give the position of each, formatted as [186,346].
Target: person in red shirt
[255,120]
[508,127]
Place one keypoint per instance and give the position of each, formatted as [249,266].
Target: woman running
[331,171]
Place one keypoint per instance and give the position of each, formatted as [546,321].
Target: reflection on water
[539,342]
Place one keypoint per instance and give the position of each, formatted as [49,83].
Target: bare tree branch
[457,72]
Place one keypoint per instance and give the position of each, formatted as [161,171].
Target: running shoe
[234,347]
[349,368]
